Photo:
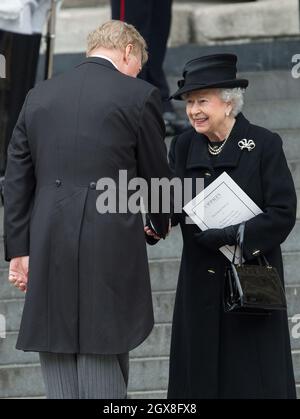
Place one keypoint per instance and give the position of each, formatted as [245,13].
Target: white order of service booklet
[221,204]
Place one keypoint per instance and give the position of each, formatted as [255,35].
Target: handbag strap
[239,242]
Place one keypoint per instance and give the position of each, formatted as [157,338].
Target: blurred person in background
[21,26]
[152,18]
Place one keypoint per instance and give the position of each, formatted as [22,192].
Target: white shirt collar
[105,58]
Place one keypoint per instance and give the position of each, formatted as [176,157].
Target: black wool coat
[89,289]
[217,355]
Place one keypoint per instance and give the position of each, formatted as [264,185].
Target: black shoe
[174,124]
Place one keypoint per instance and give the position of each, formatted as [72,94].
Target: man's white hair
[235,96]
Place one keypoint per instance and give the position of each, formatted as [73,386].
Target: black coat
[89,288]
[217,355]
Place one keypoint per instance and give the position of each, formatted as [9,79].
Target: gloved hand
[214,238]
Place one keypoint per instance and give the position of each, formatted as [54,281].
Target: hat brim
[243,83]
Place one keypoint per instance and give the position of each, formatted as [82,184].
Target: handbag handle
[240,241]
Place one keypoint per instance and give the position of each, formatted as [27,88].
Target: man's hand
[18,272]
[151,233]
[148,230]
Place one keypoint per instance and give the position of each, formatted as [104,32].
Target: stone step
[149,374]
[163,303]
[92,3]
[202,24]
[244,21]
[291,263]
[21,381]
[156,345]
[10,355]
[146,374]
[295,171]
[162,394]
[84,3]
[291,144]
[292,244]
[296,363]
[164,272]
[274,114]
[271,85]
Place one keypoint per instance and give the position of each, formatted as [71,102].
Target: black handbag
[255,289]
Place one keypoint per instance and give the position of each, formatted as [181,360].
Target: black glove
[214,238]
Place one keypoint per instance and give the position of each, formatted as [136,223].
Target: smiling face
[207,112]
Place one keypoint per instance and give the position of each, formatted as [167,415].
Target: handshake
[151,236]
[212,239]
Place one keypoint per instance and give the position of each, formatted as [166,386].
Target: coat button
[58,182]
[207,174]
[93,185]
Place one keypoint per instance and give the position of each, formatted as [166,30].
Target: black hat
[209,71]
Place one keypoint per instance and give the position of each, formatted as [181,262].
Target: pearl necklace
[215,150]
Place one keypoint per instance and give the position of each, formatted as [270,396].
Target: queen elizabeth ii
[215,354]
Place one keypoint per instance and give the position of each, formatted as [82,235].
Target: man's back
[93,112]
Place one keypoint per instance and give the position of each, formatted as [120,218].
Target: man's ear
[128,51]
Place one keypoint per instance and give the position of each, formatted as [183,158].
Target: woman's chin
[201,129]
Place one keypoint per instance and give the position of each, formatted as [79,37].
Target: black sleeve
[152,157]
[19,187]
[269,229]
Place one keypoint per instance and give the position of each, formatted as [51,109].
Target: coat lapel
[198,156]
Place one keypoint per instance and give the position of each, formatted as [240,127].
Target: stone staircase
[272,101]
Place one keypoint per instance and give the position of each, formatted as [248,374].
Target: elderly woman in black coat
[213,354]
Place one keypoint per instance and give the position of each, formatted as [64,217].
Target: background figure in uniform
[21,25]
[152,18]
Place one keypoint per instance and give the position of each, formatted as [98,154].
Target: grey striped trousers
[78,376]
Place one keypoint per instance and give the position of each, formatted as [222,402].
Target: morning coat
[89,289]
